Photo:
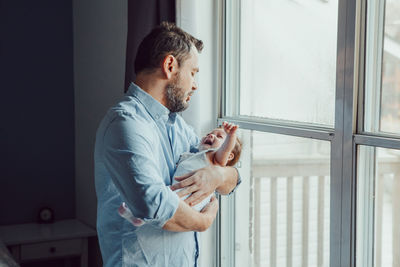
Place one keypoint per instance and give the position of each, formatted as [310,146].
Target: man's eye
[219,136]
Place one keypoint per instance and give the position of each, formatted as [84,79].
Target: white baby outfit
[189,162]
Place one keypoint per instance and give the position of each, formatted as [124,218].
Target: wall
[200,18]
[36,110]
[99,71]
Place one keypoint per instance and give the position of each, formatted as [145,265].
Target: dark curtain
[143,15]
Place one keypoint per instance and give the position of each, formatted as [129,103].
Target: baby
[219,147]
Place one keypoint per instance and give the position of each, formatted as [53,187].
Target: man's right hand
[210,211]
[188,219]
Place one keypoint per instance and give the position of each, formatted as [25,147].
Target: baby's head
[215,139]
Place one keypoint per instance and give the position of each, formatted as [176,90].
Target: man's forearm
[229,178]
[188,219]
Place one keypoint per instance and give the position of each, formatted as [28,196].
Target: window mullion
[342,232]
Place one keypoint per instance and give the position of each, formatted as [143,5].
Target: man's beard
[175,96]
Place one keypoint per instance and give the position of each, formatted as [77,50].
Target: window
[378,207]
[288,60]
[315,88]
[282,211]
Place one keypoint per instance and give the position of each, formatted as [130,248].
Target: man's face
[182,86]
[214,139]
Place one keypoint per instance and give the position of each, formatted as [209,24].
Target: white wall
[200,19]
[100,29]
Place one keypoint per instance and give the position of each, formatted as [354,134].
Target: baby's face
[214,139]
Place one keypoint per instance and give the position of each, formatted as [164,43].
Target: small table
[5,257]
[60,239]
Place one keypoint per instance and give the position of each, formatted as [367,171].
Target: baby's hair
[237,150]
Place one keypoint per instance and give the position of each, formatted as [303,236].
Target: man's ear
[169,66]
[231,156]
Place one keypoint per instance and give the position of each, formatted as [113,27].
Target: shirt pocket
[164,248]
[132,253]
[151,242]
[183,257]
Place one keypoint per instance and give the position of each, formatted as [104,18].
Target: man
[138,144]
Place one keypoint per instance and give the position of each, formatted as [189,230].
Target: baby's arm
[222,154]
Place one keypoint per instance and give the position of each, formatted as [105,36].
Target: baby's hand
[229,128]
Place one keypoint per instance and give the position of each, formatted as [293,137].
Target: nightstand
[61,239]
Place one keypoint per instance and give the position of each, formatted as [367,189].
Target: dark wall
[36,109]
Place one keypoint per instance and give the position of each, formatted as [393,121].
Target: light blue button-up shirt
[138,144]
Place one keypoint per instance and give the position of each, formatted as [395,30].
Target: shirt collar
[156,110]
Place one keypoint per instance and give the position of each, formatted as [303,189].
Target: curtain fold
[143,15]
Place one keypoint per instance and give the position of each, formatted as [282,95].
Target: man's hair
[165,39]
[237,150]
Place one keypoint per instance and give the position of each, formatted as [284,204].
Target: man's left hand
[200,184]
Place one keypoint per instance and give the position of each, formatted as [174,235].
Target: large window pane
[378,207]
[288,59]
[283,205]
[382,101]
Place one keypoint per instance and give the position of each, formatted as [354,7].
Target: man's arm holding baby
[188,219]
[134,172]
[217,177]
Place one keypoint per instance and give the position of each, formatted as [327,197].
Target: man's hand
[200,184]
[210,211]
[187,219]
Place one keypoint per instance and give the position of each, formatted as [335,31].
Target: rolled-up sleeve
[133,168]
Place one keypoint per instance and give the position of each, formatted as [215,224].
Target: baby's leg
[126,213]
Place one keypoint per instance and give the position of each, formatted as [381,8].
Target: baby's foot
[126,213]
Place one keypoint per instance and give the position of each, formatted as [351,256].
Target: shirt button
[157,117]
